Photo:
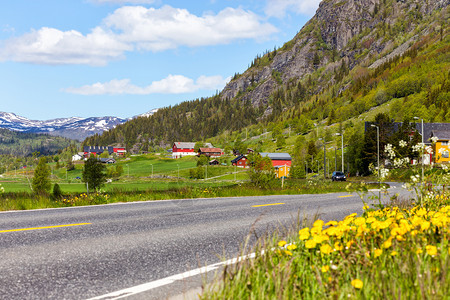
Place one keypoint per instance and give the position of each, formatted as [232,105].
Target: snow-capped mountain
[74,128]
[148,114]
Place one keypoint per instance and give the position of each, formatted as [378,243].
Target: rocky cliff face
[350,31]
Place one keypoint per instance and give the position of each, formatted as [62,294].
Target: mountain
[25,144]
[342,35]
[351,57]
[74,128]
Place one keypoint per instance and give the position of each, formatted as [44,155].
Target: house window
[445,154]
[445,143]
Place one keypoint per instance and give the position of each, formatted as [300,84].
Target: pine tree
[41,179]
[94,173]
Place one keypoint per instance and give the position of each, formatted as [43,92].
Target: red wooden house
[240,161]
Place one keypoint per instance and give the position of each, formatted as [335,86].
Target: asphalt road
[102,249]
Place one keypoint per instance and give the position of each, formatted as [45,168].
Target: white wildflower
[418,148]
[434,139]
[415,178]
[398,162]
[384,173]
[390,151]
[444,167]
[402,143]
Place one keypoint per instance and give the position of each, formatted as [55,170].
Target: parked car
[338,176]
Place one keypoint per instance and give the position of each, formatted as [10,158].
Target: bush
[261,172]
[57,192]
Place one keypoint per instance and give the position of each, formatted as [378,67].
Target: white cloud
[166,28]
[278,8]
[52,46]
[172,84]
[132,28]
[123,1]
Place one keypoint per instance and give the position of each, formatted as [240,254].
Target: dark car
[338,176]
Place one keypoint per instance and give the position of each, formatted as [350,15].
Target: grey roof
[188,145]
[184,145]
[98,149]
[276,156]
[441,135]
[428,129]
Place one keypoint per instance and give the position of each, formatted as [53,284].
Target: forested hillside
[350,57]
[25,144]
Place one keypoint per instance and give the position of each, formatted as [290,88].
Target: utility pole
[423,150]
[335,158]
[378,160]
[342,149]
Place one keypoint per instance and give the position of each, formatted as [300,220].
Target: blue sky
[125,57]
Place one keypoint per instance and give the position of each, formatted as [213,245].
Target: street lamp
[324,158]
[423,145]
[378,160]
[342,148]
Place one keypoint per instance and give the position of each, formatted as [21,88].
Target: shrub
[57,192]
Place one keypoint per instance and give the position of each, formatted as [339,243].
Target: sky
[93,58]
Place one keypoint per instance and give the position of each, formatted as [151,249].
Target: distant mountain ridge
[73,128]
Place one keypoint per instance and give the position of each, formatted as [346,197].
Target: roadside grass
[20,197]
[390,253]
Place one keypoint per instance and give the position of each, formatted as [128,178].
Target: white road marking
[168,280]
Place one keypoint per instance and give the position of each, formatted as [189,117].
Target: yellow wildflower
[421,212]
[357,283]
[419,251]
[326,249]
[292,247]
[431,250]
[325,269]
[424,225]
[338,246]
[288,252]
[349,244]
[320,238]
[387,243]
[399,238]
[318,223]
[310,244]
[394,253]
[378,252]
[331,223]
[282,243]
[304,234]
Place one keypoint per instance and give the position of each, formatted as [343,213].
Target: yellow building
[282,171]
[441,147]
